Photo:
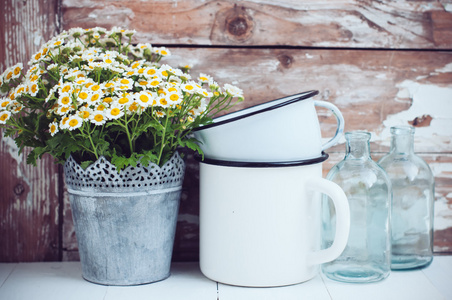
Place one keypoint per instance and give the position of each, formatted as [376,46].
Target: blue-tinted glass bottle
[413,199]
[366,257]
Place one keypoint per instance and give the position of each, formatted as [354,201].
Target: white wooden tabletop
[63,281]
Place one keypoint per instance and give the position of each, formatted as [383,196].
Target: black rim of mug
[295,98]
[246,164]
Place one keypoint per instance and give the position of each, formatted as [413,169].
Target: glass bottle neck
[402,140]
[357,146]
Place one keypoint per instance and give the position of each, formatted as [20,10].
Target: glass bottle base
[358,274]
[405,262]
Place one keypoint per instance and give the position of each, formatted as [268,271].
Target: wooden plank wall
[382,63]
[29,196]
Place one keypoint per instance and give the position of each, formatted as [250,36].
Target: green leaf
[85,164]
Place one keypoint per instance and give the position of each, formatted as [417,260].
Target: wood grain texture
[373,89]
[352,23]
[29,218]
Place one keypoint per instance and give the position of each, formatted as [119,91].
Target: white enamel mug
[260,222]
[285,129]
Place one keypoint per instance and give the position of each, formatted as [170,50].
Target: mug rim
[251,164]
[295,98]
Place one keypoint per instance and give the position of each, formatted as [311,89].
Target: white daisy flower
[74,122]
[84,112]
[162,51]
[114,112]
[53,128]
[144,98]
[95,97]
[4,116]
[65,100]
[233,91]
[63,110]
[98,117]
[125,99]
[204,78]
[190,87]
[4,103]
[174,98]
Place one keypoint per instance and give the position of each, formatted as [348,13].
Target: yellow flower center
[125,81]
[99,118]
[83,95]
[172,89]
[108,100]
[189,87]
[108,61]
[3,117]
[66,88]
[16,71]
[155,82]
[95,87]
[115,111]
[73,122]
[123,100]
[133,107]
[95,97]
[52,128]
[144,98]
[163,101]
[164,73]
[174,97]
[85,114]
[151,72]
[65,100]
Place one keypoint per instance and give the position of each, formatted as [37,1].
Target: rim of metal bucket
[294,98]
[245,164]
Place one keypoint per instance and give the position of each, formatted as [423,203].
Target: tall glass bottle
[413,199]
[366,257]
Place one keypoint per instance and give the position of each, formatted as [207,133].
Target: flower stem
[163,141]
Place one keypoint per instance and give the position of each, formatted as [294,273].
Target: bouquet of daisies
[91,93]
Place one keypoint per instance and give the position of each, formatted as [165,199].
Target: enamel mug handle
[342,219]
[340,123]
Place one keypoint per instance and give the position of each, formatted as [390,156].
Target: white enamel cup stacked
[260,194]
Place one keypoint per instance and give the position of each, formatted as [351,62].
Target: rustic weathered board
[29,196]
[352,23]
[29,206]
[381,63]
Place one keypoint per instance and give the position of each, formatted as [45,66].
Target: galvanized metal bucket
[125,223]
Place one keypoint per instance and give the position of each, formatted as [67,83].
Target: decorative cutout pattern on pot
[103,176]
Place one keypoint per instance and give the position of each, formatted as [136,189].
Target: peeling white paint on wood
[443,214]
[431,100]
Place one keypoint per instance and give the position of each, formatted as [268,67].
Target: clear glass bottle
[366,257]
[413,187]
